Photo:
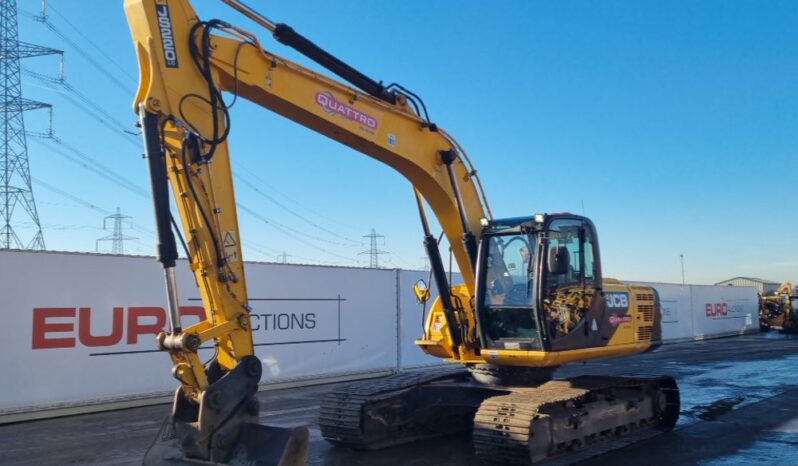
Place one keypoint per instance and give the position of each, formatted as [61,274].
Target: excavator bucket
[223,429]
[280,446]
[257,445]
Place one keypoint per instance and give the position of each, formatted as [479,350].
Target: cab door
[570,294]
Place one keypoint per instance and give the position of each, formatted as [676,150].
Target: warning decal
[230,247]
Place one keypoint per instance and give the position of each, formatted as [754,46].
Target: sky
[673,125]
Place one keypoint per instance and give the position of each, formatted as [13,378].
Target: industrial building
[761,285]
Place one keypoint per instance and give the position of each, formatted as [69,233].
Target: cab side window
[569,279]
[589,273]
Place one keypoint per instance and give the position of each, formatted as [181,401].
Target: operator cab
[536,280]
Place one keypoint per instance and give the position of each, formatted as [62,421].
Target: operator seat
[559,264]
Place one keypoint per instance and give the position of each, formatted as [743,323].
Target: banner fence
[79,328]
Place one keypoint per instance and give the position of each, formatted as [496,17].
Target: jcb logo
[617,300]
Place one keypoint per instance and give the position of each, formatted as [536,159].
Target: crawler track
[510,425]
[530,425]
[379,413]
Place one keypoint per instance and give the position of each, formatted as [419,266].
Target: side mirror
[421,290]
[559,260]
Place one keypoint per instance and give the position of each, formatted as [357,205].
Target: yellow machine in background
[779,309]
[533,295]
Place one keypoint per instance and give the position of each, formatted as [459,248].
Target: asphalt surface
[739,407]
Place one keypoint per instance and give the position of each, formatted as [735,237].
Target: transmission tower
[117,238]
[15,188]
[283,257]
[373,252]
[425,263]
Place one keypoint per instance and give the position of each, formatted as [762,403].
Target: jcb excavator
[532,297]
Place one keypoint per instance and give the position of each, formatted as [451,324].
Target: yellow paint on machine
[557,358]
[630,337]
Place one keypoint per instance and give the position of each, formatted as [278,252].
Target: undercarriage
[521,424]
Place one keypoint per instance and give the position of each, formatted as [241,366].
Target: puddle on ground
[710,389]
[770,448]
[776,335]
[717,408]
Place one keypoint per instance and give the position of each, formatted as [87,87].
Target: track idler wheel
[672,403]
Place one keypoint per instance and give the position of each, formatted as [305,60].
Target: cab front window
[509,276]
[508,289]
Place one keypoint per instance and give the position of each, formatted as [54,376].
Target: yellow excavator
[779,309]
[532,298]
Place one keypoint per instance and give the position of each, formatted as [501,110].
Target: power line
[71,197]
[95,109]
[259,248]
[254,187]
[294,213]
[87,204]
[89,163]
[270,253]
[77,48]
[289,230]
[92,165]
[239,168]
[279,228]
[396,256]
[87,105]
[91,42]
[60,226]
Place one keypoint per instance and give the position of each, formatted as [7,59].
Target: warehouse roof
[753,279]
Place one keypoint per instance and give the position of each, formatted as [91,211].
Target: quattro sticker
[333,106]
[616,319]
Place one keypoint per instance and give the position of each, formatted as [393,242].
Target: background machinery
[533,295]
[779,309]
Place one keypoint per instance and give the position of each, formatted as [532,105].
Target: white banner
[349,318]
[676,305]
[724,310]
[80,328]
[705,311]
